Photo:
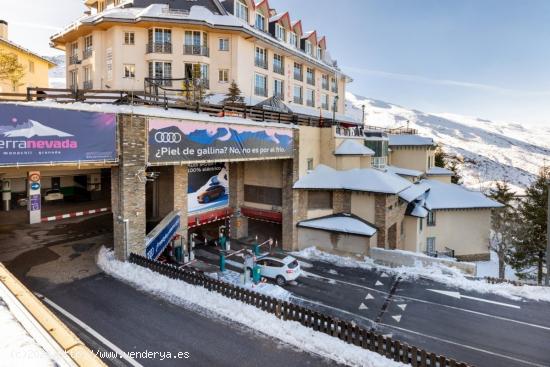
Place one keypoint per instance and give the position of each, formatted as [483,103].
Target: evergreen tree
[504,221]
[233,95]
[439,157]
[11,69]
[530,243]
[452,165]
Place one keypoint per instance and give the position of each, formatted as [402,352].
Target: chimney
[3,29]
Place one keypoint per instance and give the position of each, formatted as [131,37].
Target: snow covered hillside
[492,151]
[57,74]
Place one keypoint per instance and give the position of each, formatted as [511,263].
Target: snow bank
[17,347]
[272,290]
[293,333]
[437,272]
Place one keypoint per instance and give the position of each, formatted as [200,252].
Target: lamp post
[336,99]
[547,278]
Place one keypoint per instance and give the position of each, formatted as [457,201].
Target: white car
[53,195]
[282,269]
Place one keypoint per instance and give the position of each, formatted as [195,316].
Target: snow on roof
[351,147]
[417,210]
[450,196]
[410,140]
[363,179]
[341,223]
[27,51]
[404,171]
[439,171]
[413,192]
[277,17]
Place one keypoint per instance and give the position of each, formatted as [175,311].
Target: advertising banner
[162,235]
[208,187]
[187,142]
[35,135]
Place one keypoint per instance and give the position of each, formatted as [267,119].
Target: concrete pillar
[128,188]
[181,181]
[239,223]
[341,201]
[380,219]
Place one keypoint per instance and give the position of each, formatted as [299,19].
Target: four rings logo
[170,138]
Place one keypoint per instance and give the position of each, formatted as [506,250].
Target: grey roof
[404,171]
[352,147]
[341,223]
[410,140]
[450,196]
[439,171]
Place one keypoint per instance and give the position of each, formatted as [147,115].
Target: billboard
[208,187]
[162,235]
[187,142]
[36,135]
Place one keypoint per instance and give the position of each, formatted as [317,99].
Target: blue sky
[486,58]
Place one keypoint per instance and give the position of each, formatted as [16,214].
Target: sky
[484,58]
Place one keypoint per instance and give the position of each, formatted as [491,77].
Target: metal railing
[310,80]
[379,162]
[196,50]
[260,91]
[86,54]
[324,106]
[298,100]
[298,76]
[310,103]
[88,84]
[324,85]
[159,48]
[334,89]
[260,62]
[279,69]
[73,60]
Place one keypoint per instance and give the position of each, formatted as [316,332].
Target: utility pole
[547,278]
[363,120]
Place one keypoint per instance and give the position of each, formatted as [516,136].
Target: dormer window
[280,32]
[241,10]
[319,53]
[309,48]
[293,39]
[260,22]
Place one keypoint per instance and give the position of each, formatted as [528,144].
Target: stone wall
[341,201]
[389,211]
[239,223]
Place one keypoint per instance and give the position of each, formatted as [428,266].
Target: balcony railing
[159,48]
[310,80]
[324,85]
[196,83]
[196,50]
[86,54]
[335,88]
[279,69]
[260,91]
[261,63]
[298,76]
[324,106]
[88,84]
[298,100]
[379,162]
[73,60]
[310,103]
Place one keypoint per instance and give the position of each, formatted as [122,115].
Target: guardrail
[492,280]
[346,331]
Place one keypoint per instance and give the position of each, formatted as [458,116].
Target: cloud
[444,82]
[35,25]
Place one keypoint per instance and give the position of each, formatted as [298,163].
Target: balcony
[310,80]
[324,85]
[259,91]
[379,162]
[159,48]
[310,103]
[279,69]
[87,54]
[196,83]
[260,62]
[73,60]
[298,100]
[335,88]
[324,106]
[298,75]
[196,50]
[88,84]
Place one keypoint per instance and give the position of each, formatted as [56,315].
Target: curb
[76,351]
[75,214]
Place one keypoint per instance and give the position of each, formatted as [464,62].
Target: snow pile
[492,151]
[230,276]
[17,347]
[437,272]
[292,333]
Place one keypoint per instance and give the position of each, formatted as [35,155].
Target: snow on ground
[491,150]
[437,272]
[17,347]
[490,268]
[292,333]
[230,276]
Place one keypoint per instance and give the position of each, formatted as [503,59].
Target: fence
[492,280]
[341,329]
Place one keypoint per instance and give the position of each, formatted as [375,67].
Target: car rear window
[293,264]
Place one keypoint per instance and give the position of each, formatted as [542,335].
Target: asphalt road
[487,330]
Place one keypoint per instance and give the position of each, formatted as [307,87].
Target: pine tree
[439,157]
[452,165]
[11,69]
[504,221]
[530,243]
[233,95]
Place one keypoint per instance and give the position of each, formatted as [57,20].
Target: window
[73,58]
[242,10]
[429,162]
[319,53]
[87,74]
[161,70]
[308,48]
[160,40]
[260,21]
[129,71]
[88,43]
[223,76]
[73,79]
[293,39]
[421,224]
[324,101]
[278,88]
[197,72]
[298,95]
[319,199]
[431,219]
[278,64]
[310,101]
[335,104]
[196,43]
[129,38]
[430,245]
[310,76]
[31,66]
[224,44]
[324,81]
[298,72]
[261,58]
[310,165]
[260,85]
[280,32]
[334,82]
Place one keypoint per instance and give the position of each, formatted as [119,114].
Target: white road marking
[378,283]
[397,318]
[369,296]
[334,308]
[402,307]
[457,295]
[363,307]
[499,354]
[91,331]
[384,275]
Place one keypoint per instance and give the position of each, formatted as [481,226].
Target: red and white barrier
[75,214]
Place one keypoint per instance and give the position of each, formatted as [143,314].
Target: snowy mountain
[57,74]
[490,150]
[33,128]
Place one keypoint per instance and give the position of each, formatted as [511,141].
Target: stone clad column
[294,201]
[181,179]
[239,223]
[128,187]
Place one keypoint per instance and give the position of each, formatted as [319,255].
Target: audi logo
[170,138]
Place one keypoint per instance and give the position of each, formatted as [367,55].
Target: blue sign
[161,236]
[34,135]
[35,186]
[35,202]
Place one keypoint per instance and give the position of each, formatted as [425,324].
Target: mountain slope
[491,151]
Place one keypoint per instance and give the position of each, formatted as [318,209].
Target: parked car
[53,195]
[280,268]
[211,193]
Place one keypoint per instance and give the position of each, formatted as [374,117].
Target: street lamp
[336,99]
[547,278]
